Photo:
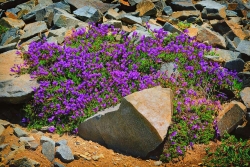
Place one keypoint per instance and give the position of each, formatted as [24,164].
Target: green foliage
[2,30]
[232,152]
[183,25]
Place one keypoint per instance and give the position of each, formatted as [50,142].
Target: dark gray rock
[236,64]
[11,4]
[244,47]
[230,44]
[20,133]
[64,153]
[245,77]
[231,13]
[168,10]
[134,2]
[191,19]
[227,55]
[169,27]
[88,14]
[62,5]
[248,15]
[56,164]
[10,36]
[8,47]
[232,116]
[211,9]
[112,14]
[131,19]
[61,142]
[220,26]
[182,5]
[48,150]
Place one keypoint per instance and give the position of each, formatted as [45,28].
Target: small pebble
[158,163]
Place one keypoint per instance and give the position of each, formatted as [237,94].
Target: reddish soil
[88,149]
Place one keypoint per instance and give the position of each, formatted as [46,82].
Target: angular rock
[231,117]
[62,5]
[26,43]
[231,13]
[20,133]
[245,96]
[115,23]
[57,32]
[56,164]
[61,142]
[236,64]
[243,47]
[33,145]
[147,113]
[8,47]
[26,139]
[211,9]
[64,19]
[64,153]
[14,89]
[10,36]
[245,77]
[182,5]
[10,4]
[168,10]
[169,27]
[212,37]
[140,33]
[46,139]
[237,29]
[146,8]
[48,150]
[112,14]
[99,5]
[4,123]
[3,146]
[88,14]
[11,23]
[131,19]
[33,29]
[1,129]
[27,162]
[220,26]
[227,55]
[134,2]
[182,15]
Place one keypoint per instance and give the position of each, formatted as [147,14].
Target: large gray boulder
[136,126]
[13,88]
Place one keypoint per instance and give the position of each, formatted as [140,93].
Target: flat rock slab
[212,37]
[231,117]
[64,153]
[137,126]
[13,88]
[211,9]
[11,23]
[244,47]
[48,150]
[146,8]
[33,29]
[103,7]
[88,14]
[20,133]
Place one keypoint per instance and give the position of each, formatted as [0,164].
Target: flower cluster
[95,68]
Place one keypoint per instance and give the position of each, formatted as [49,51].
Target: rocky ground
[222,24]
